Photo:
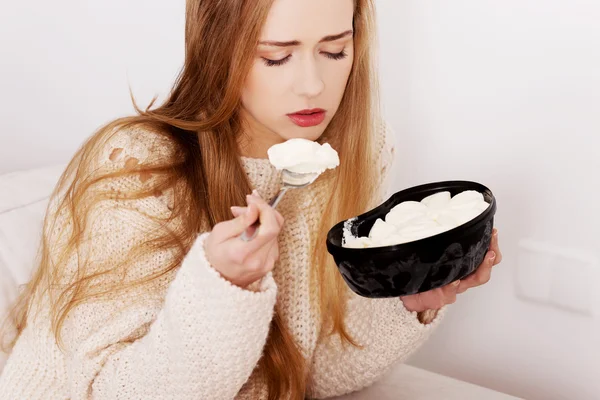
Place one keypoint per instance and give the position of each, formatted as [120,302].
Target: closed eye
[336,56]
[276,63]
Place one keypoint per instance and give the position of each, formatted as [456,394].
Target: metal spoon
[291,180]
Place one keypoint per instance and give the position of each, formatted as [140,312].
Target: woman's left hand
[437,298]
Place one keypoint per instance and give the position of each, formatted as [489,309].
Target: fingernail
[455,283]
[255,193]
[495,234]
[493,256]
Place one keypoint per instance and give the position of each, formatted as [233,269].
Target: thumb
[232,228]
[244,219]
[237,211]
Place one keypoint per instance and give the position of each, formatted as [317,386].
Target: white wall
[65,67]
[507,93]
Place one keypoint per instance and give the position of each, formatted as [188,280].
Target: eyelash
[332,56]
[276,63]
[337,56]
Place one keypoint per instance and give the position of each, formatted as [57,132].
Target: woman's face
[301,68]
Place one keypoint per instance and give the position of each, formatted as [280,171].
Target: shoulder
[124,158]
[125,145]
[111,166]
[110,199]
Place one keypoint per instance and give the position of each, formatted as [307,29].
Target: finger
[274,251]
[464,285]
[495,247]
[280,219]
[450,292]
[268,230]
[481,276]
[433,299]
[258,198]
[269,226]
[270,264]
[237,211]
[255,198]
[264,259]
[413,303]
[228,229]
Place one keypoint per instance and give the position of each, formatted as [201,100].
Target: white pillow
[23,199]
[20,188]
[8,292]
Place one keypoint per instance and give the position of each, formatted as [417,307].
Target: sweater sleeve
[188,334]
[385,330]
[204,342]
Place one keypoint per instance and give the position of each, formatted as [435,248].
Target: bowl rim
[428,241]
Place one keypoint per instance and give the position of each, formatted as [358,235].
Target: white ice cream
[303,156]
[413,220]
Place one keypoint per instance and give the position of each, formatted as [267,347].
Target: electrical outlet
[534,272]
[559,277]
[574,283]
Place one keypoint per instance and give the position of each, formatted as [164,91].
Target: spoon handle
[275,200]
[252,230]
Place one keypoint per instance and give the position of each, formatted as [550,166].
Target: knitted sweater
[195,335]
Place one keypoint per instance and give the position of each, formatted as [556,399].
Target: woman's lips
[308,118]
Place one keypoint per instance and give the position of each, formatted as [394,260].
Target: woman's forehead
[307,21]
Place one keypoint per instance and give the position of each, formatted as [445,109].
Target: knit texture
[194,335]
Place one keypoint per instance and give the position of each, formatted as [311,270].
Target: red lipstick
[308,118]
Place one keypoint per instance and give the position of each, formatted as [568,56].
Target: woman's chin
[312,133]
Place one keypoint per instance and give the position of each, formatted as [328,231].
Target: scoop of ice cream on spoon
[301,162]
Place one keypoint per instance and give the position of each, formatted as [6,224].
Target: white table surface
[405,382]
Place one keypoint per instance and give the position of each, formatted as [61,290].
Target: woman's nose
[309,82]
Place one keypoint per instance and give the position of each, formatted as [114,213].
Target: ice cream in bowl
[420,239]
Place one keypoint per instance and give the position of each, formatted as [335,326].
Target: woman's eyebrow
[330,38]
[333,38]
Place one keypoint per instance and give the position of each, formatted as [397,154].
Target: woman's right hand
[240,262]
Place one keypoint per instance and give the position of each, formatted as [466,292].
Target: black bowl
[418,266]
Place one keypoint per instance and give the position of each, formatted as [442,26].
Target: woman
[144,289]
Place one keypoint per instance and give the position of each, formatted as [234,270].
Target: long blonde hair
[201,119]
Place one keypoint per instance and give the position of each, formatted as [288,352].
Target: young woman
[144,289]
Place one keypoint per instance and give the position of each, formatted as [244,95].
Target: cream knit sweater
[195,335]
